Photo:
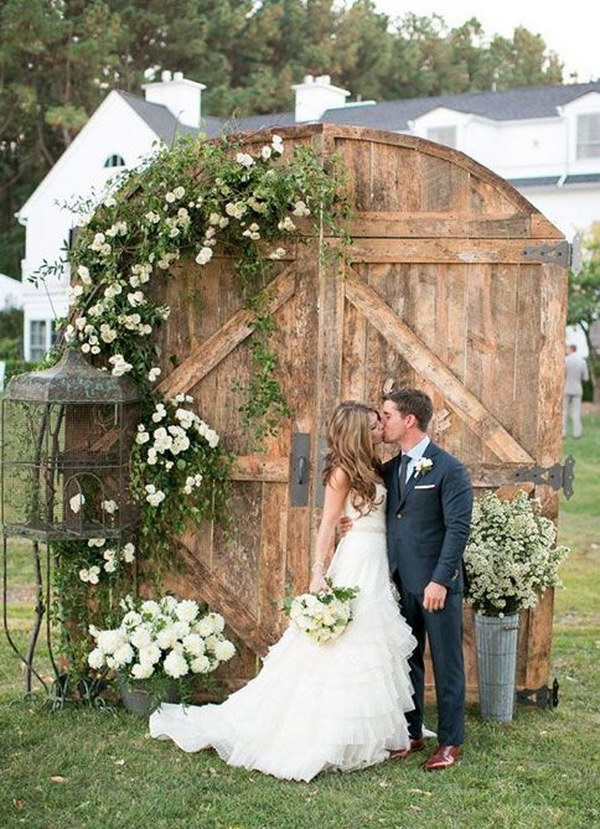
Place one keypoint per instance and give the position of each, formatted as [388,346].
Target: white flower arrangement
[323,617]
[511,557]
[163,640]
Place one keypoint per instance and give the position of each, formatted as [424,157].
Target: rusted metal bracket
[558,476]
[559,254]
[543,697]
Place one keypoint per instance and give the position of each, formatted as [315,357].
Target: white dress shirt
[414,454]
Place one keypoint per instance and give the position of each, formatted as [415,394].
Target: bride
[340,705]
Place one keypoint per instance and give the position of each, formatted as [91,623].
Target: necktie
[404,461]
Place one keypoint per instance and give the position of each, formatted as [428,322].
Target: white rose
[187,610]
[194,644]
[150,606]
[286,224]
[204,255]
[175,665]
[110,640]
[266,152]
[218,622]
[150,654]
[224,650]
[143,670]
[156,498]
[96,659]
[77,501]
[84,274]
[128,553]
[110,506]
[200,665]
[300,209]
[245,159]
[123,655]
[154,374]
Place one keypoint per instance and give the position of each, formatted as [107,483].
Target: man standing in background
[576,371]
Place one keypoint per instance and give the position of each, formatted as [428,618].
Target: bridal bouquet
[161,643]
[321,616]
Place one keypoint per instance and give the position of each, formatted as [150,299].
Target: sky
[571,29]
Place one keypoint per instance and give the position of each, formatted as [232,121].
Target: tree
[59,58]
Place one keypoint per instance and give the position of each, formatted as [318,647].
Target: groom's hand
[344,525]
[434,597]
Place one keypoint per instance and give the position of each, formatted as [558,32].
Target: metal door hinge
[558,476]
[561,253]
[543,697]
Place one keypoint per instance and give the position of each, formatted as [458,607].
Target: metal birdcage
[66,440]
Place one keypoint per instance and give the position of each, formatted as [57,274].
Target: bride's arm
[336,491]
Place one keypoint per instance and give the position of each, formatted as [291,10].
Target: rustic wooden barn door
[449,288]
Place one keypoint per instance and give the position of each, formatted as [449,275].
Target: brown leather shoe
[403,753]
[444,757]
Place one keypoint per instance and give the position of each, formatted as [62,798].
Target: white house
[544,140]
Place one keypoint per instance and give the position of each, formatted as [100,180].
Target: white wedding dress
[315,707]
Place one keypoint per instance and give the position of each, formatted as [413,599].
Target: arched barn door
[454,283]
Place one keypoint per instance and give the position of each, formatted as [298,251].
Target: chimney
[315,95]
[181,97]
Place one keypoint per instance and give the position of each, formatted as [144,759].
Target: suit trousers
[444,629]
[572,406]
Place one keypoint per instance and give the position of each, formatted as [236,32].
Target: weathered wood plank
[261,468]
[433,370]
[444,186]
[301,344]
[205,356]
[553,318]
[217,593]
[440,251]
[374,224]
[275,508]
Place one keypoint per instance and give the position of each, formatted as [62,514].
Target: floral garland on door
[182,203]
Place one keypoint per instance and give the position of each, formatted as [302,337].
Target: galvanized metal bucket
[496,644]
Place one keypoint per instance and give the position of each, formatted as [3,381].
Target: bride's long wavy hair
[350,447]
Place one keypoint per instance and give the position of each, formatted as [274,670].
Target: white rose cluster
[112,557]
[323,617]
[511,557]
[166,638]
[170,441]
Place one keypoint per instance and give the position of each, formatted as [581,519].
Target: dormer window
[114,161]
[442,135]
[588,135]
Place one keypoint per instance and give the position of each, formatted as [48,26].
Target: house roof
[506,105]
[157,117]
[555,181]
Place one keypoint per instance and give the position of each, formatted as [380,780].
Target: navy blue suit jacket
[427,530]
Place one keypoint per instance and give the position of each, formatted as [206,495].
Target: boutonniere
[422,466]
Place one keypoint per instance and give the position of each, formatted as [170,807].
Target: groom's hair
[414,402]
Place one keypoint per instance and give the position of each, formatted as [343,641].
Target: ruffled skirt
[316,707]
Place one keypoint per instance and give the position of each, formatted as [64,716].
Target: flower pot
[139,701]
[136,701]
[496,645]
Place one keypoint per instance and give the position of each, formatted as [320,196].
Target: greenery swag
[183,202]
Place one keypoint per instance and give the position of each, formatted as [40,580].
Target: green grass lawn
[79,768]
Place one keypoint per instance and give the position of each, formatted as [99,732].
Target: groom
[428,517]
